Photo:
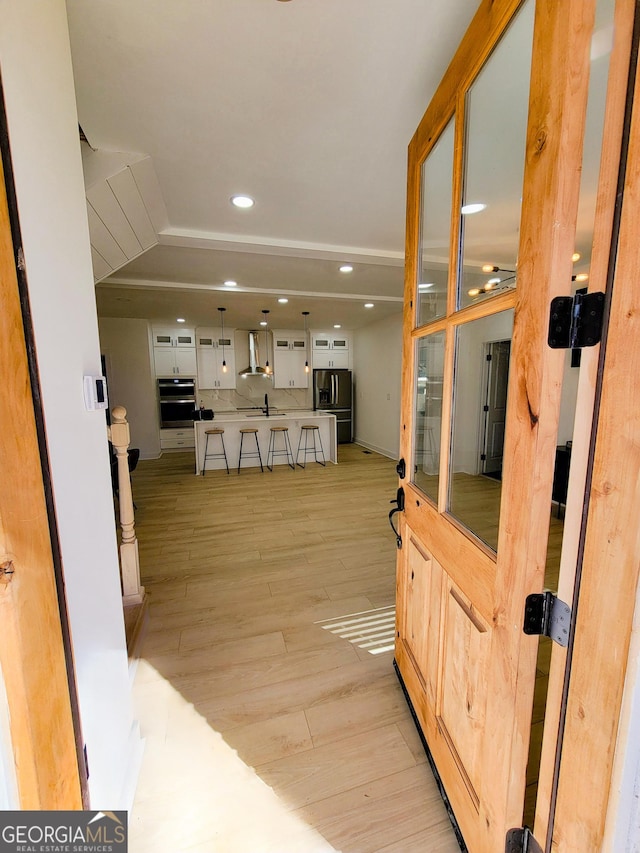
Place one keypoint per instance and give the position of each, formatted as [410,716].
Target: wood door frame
[606,548]
[36,663]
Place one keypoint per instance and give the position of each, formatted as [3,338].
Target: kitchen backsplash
[251,391]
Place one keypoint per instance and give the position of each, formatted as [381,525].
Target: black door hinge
[521,841]
[401,469]
[576,321]
[483,457]
[546,615]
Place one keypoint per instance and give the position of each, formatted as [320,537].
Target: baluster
[132,592]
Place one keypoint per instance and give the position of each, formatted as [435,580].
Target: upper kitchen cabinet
[174,351]
[167,336]
[330,350]
[290,360]
[216,359]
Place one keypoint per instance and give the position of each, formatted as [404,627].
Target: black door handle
[399,502]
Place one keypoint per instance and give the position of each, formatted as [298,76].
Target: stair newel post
[132,592]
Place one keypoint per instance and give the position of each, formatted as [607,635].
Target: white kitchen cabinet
[212,348]
[174,351]
[175,361]
[289,358]
[165,337]
[330,350]
[177,439]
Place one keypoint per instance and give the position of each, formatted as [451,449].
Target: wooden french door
[493,235]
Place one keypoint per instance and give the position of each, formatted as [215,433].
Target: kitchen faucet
[266,405]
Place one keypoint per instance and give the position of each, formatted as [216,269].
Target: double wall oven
[177,401]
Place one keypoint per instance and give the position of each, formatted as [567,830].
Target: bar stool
[309,430]
[207,455]
[249,431]
[285,451]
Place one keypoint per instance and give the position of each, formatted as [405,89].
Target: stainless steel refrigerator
[332,392]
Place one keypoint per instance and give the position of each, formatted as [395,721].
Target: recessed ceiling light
[231,283]
[263,322]
[425,286]
[346,268]
[243,201]
[282,300]
[576,257]
[583,276]
[180,320]
[337,326]
[468,209]
[368,304]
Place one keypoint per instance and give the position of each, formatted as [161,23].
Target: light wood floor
[264,730]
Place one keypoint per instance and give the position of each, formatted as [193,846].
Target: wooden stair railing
[119,436]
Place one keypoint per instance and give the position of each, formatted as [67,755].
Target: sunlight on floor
[373,630]
[195,794]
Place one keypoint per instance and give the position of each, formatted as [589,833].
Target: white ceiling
[308,106]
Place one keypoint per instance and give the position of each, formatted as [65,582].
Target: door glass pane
[435,225]
[480,401]
[428,413]
[496,128]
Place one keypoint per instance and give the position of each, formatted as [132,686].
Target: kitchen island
[233,422]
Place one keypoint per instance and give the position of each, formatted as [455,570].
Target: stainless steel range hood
[254,368]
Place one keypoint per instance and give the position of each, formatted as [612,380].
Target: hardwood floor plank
[434,839]
[308,777]
[272,739]
[197,677]
[300,693]
[383,812]
[381,704]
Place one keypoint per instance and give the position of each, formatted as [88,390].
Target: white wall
[377,375]
[125,344]
[470,367]
[43,131]
[568,400]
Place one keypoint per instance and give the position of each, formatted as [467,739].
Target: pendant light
[224,363]
[267,368]
[305,314]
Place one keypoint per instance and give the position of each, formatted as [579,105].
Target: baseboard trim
[375,448]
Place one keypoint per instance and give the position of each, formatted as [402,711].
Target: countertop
[256,414]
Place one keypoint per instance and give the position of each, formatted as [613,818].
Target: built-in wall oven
[177,402]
